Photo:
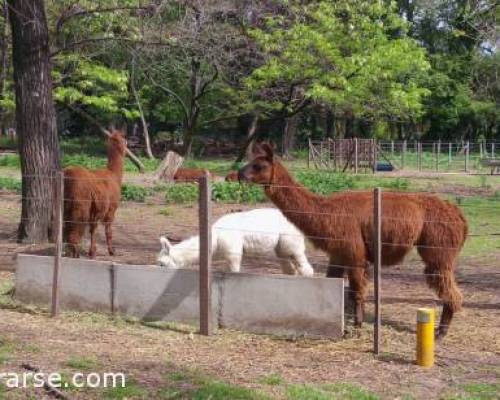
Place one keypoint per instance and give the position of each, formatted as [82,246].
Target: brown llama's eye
[257,168]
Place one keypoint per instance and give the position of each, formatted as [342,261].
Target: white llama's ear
[165,244]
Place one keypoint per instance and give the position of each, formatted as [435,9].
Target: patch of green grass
[165,211]
[10,160]
[479,391]
[215,390]
[83,364]
[178,376]
[169,394]
[337,391]
[10,184]
[131,391]
[6,350]
[272,380]
[218,167]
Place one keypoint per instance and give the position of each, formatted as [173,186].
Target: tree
[35,116]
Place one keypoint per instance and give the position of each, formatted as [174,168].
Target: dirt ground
[469,354]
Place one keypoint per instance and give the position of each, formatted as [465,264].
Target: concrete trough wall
[272,304]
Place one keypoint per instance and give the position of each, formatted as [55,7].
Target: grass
[6,350]
[337,391]
[83,364]
[272,380]
[131,390]
[477,391]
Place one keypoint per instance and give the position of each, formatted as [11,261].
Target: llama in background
[190,174]
[342,226]
[91,197]
[262,233]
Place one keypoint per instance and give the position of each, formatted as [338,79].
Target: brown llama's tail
[444,283]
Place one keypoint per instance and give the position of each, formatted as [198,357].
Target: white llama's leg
[234,261]
[302,265]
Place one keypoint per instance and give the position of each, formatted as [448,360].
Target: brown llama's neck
[296,202]
[115,163]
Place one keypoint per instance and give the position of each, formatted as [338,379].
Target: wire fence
[383,229]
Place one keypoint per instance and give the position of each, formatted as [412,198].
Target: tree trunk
[289,134]
[35,117]
[247,147]
[3,62]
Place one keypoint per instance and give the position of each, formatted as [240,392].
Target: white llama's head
[164,258]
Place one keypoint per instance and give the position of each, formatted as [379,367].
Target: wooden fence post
[493,150]
[309,154]
[377,263]
[205,256]
[392,148]
[58,206]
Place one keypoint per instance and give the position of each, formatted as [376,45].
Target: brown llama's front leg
[93,246]
[335,271]
[109,236]
[357,287]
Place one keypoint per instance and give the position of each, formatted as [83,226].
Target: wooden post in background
[493,150]
[438,153]
[392,148]
[377,263]
[58,206]
[205,211]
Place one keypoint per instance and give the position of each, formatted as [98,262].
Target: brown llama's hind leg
[357,292]
[93,247]
[442,280]
[76,232]
[109,234]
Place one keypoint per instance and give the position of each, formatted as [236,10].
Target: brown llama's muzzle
[243,174]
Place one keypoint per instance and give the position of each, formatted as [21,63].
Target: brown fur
[342,226]
[91,197]
[189,174]
[232,176]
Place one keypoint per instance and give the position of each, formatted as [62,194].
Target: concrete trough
[271,304]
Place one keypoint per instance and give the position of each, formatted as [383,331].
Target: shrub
[325,183]
[233,192]
[182,193]
[10,160]
[10,184]
[134,193]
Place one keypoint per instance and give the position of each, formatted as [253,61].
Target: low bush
[234,192]
[10,160]
[10,184]
[135,193]
[181,193]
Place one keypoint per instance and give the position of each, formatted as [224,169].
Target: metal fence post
[355,155]
[377,263]
[58,206]
[205,211]
[403,150]
[467,157]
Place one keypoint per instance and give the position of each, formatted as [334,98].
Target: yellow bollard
[425,337]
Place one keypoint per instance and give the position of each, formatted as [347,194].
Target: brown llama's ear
[267,150]
[257,150]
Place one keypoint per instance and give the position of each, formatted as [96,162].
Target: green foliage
[349,54]
[182,193]
[134,193]
[131,390]
[233,192]
[272,380]
[324,182]
[10,184]
[477,391]
[82,363]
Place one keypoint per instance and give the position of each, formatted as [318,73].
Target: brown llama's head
[117,141]
[261,168]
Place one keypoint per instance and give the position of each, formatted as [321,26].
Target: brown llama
[183,175]
[232,176]
[342,226]
[91,197]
